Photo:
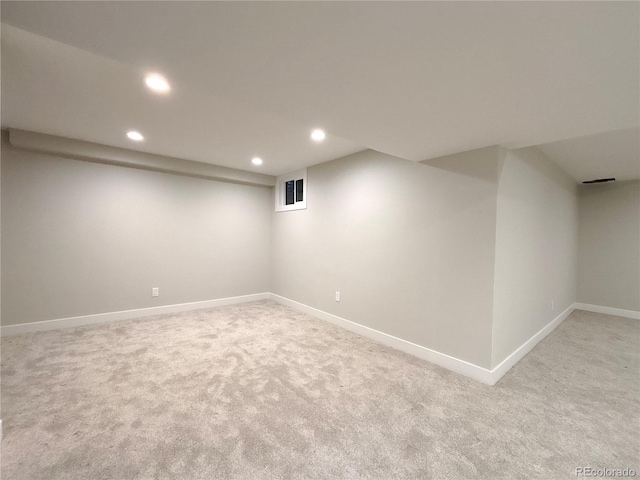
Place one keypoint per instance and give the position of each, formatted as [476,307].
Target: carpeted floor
[261,391]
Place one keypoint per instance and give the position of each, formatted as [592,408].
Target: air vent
[600,180]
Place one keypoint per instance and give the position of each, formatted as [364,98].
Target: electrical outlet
[155,292]
[337,296]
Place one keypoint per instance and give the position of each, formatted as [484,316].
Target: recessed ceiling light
[157,83]
[135,136]
[318,135]
[256,161]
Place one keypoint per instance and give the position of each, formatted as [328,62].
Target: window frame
[281,191]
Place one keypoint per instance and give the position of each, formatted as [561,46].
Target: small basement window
[291,191]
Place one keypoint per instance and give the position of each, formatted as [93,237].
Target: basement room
[319,240]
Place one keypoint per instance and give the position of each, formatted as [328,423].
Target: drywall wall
[409,246]
[609,246]
[82,238]
[536,248]
[94,152]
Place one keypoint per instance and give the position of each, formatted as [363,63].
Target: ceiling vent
[600,180]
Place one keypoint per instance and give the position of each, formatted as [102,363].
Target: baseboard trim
[475,372]
[619,312]
[503,367]
[450,363]
[22,328]
[481,374]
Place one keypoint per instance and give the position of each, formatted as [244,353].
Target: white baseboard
[481,374]
[476,372]
[608,310]
[10,330]
[499,371]
[450,363]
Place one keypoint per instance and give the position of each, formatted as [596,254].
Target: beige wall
[609,248]
[83,238]
[536,248]
[469,255]
[409,246]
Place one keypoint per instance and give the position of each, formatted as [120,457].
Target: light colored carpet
[261,391]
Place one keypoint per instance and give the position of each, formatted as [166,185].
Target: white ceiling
[413,79]
[604,155]
[54,88]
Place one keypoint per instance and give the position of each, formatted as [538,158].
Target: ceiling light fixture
[157,83]
[135,136]
[256,161]
[318,135]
